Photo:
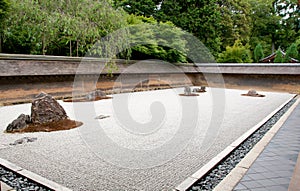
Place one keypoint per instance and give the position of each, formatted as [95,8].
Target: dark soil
[257,95]
[189,95]
[84,99]
[65,124]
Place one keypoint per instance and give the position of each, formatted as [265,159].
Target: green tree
[59,27]
[258,53]
[145,8]
[4,8]
[291,52]
[289,12]
[238,53]
[150,39]
[4,5]
[201,18]
[279,56]
[298,47]
[236,21]
[265,25]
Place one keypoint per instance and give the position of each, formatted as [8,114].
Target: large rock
[45,109]
[20,123]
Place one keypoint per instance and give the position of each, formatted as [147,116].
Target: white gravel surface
[151,141]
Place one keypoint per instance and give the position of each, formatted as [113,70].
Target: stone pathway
[274,168]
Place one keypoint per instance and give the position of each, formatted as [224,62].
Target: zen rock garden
[46,115]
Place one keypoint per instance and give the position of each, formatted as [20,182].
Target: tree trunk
[273,47]
[44,46]
[70,47]
[273,43]
[77,48]
[0,42]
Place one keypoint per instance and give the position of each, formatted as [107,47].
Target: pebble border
[19,183]
[23,180]
[224,167]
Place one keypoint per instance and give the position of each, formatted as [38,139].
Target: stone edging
[187,183]
[32,176]
[233,178]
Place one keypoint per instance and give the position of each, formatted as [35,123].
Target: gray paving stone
[280,181]
[240,186]
[277,162]
[246,178]
[257,176]
[259,189]
[270,175]
[277,188]
[252,184]
[266,182]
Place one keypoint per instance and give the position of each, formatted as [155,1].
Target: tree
[278,57]
[145,8]
[59,27]
[258,53]
[265,25]
[298,47]
[4,8]
[150,39]
[238,53]
[236,22]
[201,18]
[289,12]
[291,52]
[4,5]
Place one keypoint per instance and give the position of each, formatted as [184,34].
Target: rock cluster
[44,109]
[95,95]
[24,140]
[200,90]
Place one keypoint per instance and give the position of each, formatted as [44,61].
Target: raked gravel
[69,157]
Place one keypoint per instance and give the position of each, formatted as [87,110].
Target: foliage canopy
[62,27]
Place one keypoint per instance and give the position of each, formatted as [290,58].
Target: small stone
[102,117]
[252,93]
[200,90]
[20,123]
[187,90]
[24,140]
[95,94]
